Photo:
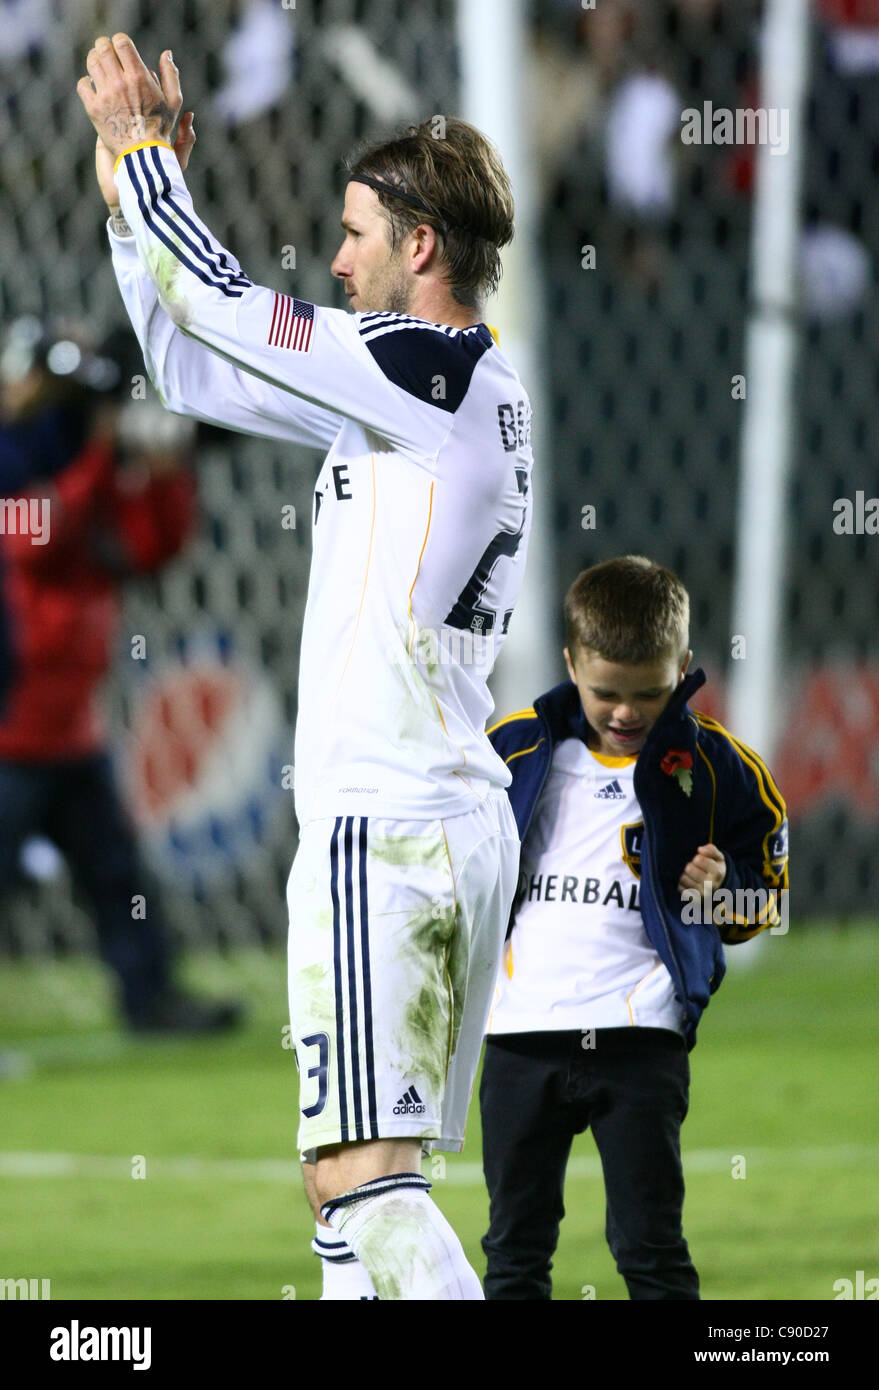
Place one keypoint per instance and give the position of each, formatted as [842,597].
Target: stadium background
[637,357]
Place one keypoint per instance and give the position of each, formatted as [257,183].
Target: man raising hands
[402,884]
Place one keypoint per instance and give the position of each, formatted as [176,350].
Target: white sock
[403,1240]
[344,1275]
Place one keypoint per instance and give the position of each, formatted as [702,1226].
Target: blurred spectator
[24,29]
[618,170]
[852,34]
[81,513]
[257,62]
[29,27]
[643,120]
[612,152]
[835,271]
[578,58]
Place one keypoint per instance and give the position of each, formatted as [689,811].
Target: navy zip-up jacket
[733,803]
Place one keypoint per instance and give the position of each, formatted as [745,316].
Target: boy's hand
[707,867]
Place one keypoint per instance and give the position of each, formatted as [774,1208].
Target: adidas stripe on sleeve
[316,354]
[420,513]
[192,380]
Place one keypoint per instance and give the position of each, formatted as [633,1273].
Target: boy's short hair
[629,609]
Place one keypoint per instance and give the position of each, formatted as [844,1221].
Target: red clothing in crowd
[859,13]
[63,598]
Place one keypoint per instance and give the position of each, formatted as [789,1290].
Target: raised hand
[105,159]
[124,101]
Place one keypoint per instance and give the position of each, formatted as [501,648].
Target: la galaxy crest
[777,851]
[630,840]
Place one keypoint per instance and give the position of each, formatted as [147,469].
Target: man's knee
[310,1184]
[339,1168]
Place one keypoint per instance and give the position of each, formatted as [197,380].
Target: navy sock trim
[348,1258]
[376,1188]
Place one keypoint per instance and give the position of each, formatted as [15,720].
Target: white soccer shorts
[396,932]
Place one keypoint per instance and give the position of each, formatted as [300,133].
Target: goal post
[762,529]
[492,41]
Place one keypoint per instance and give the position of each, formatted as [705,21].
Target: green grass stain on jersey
[314,978]
[457,970]
[319,919]
[432,1015]
[313,987]
[402,850]
[386,1286]
[421,647]
[392,1249]
[427,1036]
[429,960]
[417,707]
[165,269]
[426,650]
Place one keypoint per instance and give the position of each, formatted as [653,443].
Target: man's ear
[686,663]
[425,246]
[569,664]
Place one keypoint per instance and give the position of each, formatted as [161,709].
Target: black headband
[410,198]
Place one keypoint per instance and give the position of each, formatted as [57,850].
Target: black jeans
[540,1089]
[76,804]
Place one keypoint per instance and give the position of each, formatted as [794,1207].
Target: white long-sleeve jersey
[420,515]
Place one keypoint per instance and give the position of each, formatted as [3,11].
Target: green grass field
[784,1075]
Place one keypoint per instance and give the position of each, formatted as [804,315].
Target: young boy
[633,811]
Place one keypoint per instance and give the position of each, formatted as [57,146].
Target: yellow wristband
[144,144]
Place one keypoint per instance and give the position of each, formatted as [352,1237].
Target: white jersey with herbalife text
[420,514]
[578,955]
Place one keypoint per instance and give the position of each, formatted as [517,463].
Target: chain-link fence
[643,257]
[203,693]
[647,254]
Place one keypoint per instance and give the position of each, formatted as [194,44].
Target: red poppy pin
[678,763]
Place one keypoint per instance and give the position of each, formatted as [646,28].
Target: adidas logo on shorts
[410,1103]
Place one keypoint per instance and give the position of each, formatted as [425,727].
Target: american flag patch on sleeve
[292,323]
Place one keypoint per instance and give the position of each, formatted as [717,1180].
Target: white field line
[52,1053]
[457,1172]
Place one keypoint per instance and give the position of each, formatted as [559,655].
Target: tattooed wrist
[127,127]
[118,223]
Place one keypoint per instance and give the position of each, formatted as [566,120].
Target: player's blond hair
[629,610]
[457,176]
